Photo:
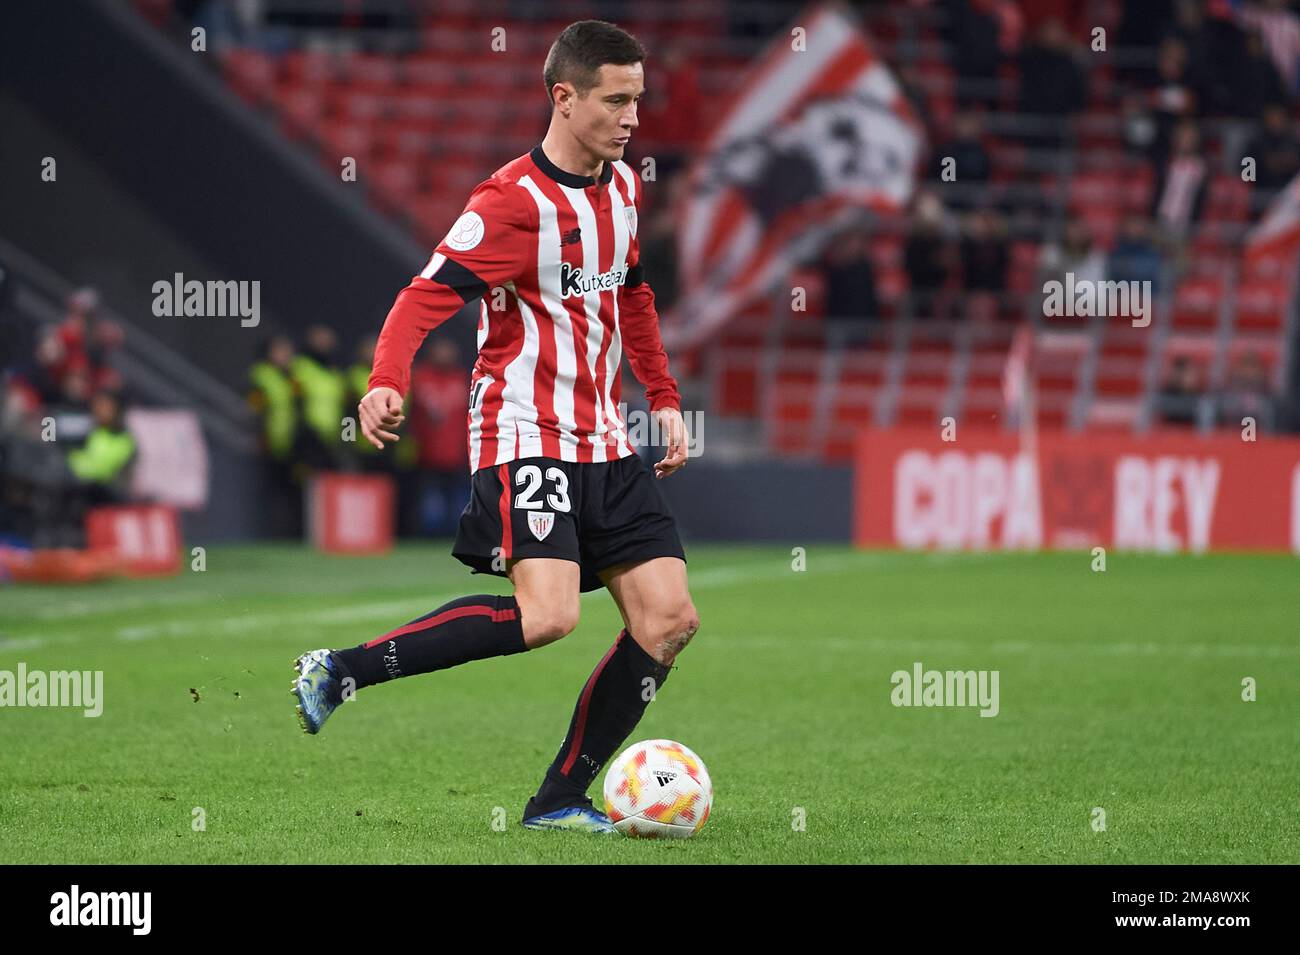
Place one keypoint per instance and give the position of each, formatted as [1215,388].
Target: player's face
[603,120]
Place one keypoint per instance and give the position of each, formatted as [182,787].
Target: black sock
[608,709]
[471,628]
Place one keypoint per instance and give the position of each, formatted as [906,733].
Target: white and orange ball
[658,789]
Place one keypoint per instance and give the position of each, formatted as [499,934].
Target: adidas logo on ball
[658,789]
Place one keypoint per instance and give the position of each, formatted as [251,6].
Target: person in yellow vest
[358,375]
[102,463]
[273,395]
[400,459]
[323,388]
[400,456]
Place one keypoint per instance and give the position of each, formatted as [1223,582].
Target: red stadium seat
[311,68]
[1197,302]
[1228,200]
[1262,304]
[346,138]
[250,73]
[301,110]
[1096,190]
[1139,182]
[374,73]
[1121,364]
[393,183]
[736,379]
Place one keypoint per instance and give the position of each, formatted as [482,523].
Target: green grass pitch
[1120,690]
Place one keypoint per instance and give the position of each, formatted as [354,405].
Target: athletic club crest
[540,523]
[630,212]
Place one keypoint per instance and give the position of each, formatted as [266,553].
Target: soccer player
[560,504]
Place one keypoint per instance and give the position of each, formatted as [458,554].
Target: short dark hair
[580,51]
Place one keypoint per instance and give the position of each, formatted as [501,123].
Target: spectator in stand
[984,253]
[985,259]
[1173,99]
[972,35]
[928,256]
[1247,80]
[1135,257]
[1257,81]
[1053,84]
[658,238]
[1137,126]
[1011,25]
[83,342]
[1276,151]
[850,283]
[1142,23]
[1181,184]
[357,376]
[971,164]
[1183,391]
[437,399]
[273,396]
[399,459]
[1076,253]
[101,464]
[1247,394]
[323,388]
[672,113]
[754,22]
[74,392]
[1199,45]
[49,360]
[1073,15]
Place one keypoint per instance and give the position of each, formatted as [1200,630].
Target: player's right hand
[380,410]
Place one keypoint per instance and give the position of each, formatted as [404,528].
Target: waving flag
[1278,232]
[820,132]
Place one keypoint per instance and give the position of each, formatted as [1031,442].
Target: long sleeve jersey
[554,257]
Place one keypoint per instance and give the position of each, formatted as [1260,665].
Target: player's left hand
[673,428]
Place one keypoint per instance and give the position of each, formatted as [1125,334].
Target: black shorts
[597,515]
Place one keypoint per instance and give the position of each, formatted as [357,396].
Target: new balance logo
[664,778]
[574,282]
[572,237]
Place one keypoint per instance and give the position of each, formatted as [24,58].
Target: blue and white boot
[318,688]
[572,818]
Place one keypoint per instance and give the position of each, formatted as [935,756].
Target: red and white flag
[1278,232]
[820,131]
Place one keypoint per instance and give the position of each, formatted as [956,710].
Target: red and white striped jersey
[556,260]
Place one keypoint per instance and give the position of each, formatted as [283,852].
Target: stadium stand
[1139,169]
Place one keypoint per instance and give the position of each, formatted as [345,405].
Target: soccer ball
[658,789]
